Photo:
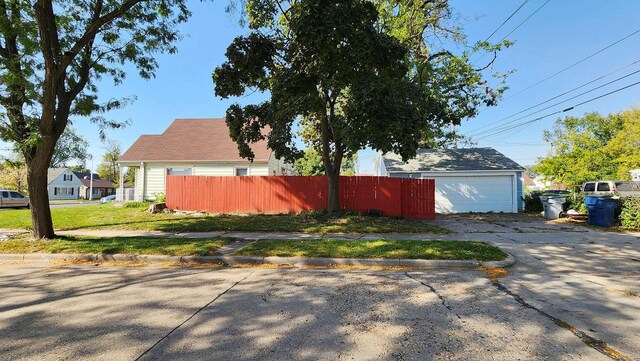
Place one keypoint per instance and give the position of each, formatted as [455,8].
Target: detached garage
[467,180]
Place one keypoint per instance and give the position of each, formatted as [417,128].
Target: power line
[557,96]
[563,101]
[573,65]
[557,112]
[525,20]
[514,29]
[507,19]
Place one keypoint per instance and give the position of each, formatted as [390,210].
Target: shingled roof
[439,160]
[198,140]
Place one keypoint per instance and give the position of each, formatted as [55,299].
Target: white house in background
[635,175]
[63,184]
[191,147]
[467,180]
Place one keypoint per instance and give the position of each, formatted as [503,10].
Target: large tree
[51,56]
[578,149]
[624,147]
[70,146]
[13,173]
[108,168]
[339,71]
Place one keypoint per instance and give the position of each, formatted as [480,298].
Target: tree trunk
[37,168]
[333,195]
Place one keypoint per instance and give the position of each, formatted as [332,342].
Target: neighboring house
[467,180]
[635,175]
[63,184]
[191,147]
[529,183]
[101,188]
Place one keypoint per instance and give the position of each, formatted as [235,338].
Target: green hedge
[630,213]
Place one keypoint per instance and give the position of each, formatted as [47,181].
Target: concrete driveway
[573,295]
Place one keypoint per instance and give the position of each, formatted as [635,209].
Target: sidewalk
[253,235]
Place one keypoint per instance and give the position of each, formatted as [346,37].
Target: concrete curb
[506,263]
[287,261]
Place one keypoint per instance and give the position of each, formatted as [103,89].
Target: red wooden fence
[412,198]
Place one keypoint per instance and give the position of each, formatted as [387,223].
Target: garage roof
[439,160]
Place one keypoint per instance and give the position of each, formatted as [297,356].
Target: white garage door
[474,194]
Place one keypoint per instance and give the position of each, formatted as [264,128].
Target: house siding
[520,190]
[154,177]
[155,174]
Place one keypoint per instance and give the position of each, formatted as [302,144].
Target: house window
[242,171]
[67,177]
[180,171]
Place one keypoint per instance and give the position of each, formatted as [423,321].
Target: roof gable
[439,160]
[55,173]
[198,140]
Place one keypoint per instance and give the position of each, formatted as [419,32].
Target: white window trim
[236,167]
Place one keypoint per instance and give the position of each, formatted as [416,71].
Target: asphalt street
[573,295]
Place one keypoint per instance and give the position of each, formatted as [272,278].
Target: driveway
[573,295]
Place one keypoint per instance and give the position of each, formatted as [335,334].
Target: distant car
[108,199]
[622,188]
[13,199]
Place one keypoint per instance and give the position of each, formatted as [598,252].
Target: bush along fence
[411,198]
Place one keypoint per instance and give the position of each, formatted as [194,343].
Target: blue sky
[563,32]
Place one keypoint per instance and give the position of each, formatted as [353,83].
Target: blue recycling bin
[601,210]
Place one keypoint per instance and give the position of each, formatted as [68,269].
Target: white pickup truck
[13,199]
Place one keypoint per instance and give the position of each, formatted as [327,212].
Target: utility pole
[91,179]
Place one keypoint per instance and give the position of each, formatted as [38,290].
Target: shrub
[136,205]
[575,201]
[532,203]
[160,197]
[630,213]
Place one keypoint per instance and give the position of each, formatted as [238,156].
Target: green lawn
[129,245]
[339,248]
[110,217]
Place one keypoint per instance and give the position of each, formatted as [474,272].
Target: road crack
[597,344]
[435,292]
[193,315]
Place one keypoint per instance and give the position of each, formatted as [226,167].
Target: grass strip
[108,216]
[404,249]
[112,245]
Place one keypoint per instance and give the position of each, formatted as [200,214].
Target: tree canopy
[592,147]
[70,147]
[51,56]
[311,164]
[108,168]
[351,74]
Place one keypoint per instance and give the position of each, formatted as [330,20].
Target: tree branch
[93,29]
